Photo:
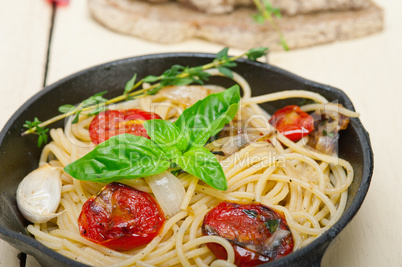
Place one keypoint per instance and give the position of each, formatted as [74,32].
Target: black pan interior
[19,155]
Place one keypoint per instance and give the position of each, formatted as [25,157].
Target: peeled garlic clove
[39,193]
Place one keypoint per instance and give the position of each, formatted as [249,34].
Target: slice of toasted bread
[287,7]
[170,22]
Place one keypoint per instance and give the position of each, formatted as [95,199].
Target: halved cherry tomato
[121,218]
[257,233]
[114,122]
[292,122]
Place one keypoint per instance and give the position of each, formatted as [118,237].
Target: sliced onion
[168,191]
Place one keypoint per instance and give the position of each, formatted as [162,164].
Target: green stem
[261,7]
[135,94]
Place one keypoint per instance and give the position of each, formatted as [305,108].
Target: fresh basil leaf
[215,126]
[66,108]
[201,163]
[168,137]
[121,157]
[208,116]
[130,84]
[162,132]
[272,225]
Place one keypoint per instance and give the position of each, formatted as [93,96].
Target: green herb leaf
[198,75]
[271,10]
[255,53]
[40,131]
[208,116]
[229,64]
[76,118]
[150,79]
[66,108]
[176,172]
[266,12]
[40,140]
[251,213]
[130,84]
[120,157]
[201,163]
[272,225]
[329,134]
[223,54]
[259,18]
[225,71]
[95,99]
[284,43]
[168,137]
[177,74]
[182,81]
[100,108]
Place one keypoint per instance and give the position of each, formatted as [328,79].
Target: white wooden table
[369,70]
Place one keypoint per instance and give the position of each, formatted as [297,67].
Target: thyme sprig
[40,131]
[266,12]
[176,75]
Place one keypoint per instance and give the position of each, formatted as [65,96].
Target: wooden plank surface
[24,30]
[80,42]
[366,69]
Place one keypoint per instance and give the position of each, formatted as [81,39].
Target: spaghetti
[309,187]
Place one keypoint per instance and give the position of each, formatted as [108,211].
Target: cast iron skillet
[20,155]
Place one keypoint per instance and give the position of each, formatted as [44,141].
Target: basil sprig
[180,143]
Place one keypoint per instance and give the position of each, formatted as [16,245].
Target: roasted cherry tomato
[121,218]
[257,233]
[292,122]
[114,122]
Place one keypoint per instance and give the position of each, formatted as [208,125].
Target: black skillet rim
[304,255]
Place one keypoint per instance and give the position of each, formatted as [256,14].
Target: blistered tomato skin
[114,122]
[292,122]
[121,218]
[257,233]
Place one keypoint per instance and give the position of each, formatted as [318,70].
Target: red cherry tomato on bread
[292,122]
[257,233]
[121,218]
[114,122]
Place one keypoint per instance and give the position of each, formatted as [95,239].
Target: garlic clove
[39,193]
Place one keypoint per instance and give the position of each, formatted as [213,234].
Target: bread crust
[287,7]
[171,22]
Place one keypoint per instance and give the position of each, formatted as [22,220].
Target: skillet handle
[313,257]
